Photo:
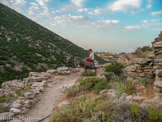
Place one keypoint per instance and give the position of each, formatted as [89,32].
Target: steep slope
[27,46]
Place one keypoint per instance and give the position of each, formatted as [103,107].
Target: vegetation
[114,67]
[144,52]
[26,46]
[7,99]
[102,110]
[89,73]
[101,86]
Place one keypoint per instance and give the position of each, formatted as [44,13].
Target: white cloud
[133,27]
[5,2]
[82,22]
[123,5]
[156,13]
[82,10]
[144,21]
[39,9]
[78,3]
[95,12]
[149,6]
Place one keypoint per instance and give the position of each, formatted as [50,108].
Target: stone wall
[157,45]
[142,68]
[150,67]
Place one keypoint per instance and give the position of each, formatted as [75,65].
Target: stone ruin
[157,45]
[150,67]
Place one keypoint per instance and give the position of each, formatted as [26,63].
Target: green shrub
[108,75]
[101,86]
[89,73]
[155,114]
[114,67]
[129,112]
[88,83]
[7,98]
[72,92]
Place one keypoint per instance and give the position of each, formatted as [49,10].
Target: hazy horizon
[110,25]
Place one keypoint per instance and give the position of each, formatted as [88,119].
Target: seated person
[91,56]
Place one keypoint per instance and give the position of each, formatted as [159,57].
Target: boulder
[64,103]
[4,107]
[159,73]
[53,71]
[137,99]
[158,60]
[33,74]
[15,110]
[6,116]
[130,69]
[139,60]
[158,84]
[16,105]
[37,79]
[62,69]
[67,87]
[132,74]
[16,120]
[157,44]
[29,95]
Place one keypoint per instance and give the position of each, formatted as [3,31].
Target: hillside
[26,46]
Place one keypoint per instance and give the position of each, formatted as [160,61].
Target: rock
[16,105]
[130,69]
[158,60]
[62,69]
[159,73]
[132,74]
[52,71]
[111,94]
[157,44]
[33,74]
[29,95]
[6,116]
[137,99]
[16,120]
[73,70]
[37,84]
[123,97]
[103,91]
[64,103]
[139,60]
[128,98]
[158,84]
[37,79]
[14,110]
[1,92]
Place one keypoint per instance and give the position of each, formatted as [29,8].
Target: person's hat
[90,49]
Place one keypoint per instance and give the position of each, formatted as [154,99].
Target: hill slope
[27,46]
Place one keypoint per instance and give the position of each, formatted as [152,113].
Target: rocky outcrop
[157,45]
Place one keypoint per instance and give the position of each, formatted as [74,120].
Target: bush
[129,112]
[114,67]
[89,82]
[72,92]
[7,99]
[89,73]
[101,86]
[108,75]
[155,114]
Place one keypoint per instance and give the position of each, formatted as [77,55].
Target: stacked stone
[142,68]
[157,45]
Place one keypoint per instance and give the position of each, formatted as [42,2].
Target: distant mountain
[27,46]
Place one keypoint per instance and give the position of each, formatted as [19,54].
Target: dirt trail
[50,97]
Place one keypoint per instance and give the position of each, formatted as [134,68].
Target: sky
[103,25]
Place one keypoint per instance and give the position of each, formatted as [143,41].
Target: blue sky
[103,25]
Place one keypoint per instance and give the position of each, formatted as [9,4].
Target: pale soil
[50,97]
